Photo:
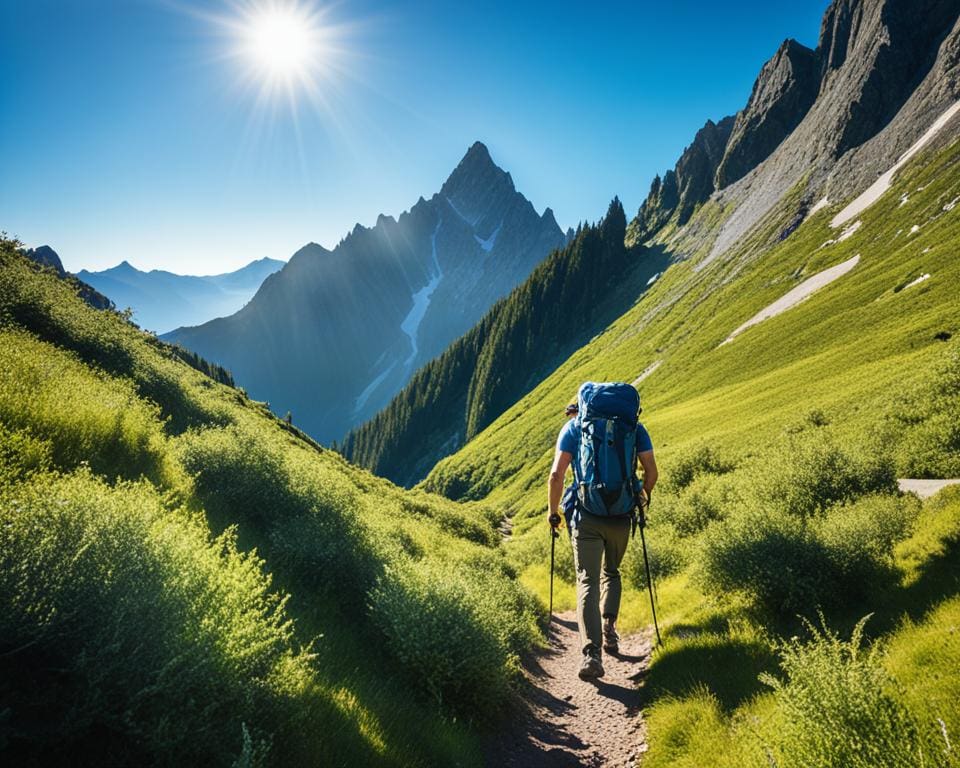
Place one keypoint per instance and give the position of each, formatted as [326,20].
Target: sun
[282,41]
[288,58]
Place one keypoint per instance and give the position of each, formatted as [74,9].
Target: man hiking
[604,441]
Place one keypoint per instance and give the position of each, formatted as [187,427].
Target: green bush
[21,455]
[837,707]
[804,474]
[776,560]
[84,417]
[861,535]
[787,565]
[666,552]
[479,527]
[129,637]
[309,520]
[705,499]
[690,464]
[446,636]
[924,425]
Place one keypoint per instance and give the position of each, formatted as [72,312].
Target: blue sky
[128,133]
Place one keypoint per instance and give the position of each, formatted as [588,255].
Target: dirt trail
[568,722]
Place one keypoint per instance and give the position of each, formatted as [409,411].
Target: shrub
[21,455]
[308,519]
[129,637]
[478,527]
[687,465]
[924,426]
[441,634]
[776,560]
[787,565]
[85,418]
[861,535]
[837,707]
[666,552]
[804,474]
[706,499]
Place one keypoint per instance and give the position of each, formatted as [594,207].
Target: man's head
[571,410]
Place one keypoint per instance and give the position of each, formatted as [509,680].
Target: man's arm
[561,461]
[650,474]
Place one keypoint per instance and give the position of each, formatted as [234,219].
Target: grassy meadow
[185,578]
[810,609]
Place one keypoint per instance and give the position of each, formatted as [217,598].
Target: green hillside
[186,579]
[779,452]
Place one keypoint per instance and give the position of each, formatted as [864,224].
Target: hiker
[600,518]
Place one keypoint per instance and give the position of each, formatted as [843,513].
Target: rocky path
[567,722]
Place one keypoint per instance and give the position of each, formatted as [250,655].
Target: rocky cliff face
[688,185]
[782,94]
[835,117]
[47,257]
[335,334]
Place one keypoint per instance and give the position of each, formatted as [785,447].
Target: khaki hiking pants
[599,544]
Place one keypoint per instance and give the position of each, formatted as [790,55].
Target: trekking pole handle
[554,520]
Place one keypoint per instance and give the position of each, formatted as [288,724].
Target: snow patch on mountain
[797,295]
[882,184]
[922,278]
[488,244]
[471,222]
[371,388]
[421,301]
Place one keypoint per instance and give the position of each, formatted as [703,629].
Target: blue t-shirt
[569,441]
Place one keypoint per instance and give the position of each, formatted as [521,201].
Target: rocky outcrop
[833,118]
[781,97]
[334,335]
[45,256]
[897,61]
[697,166]
[688,185]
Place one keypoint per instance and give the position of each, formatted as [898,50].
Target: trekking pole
[554,521]
[646,565]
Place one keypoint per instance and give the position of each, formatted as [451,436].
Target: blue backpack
[607,454]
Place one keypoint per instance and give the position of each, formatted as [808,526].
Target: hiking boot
[611,640]
[591,667]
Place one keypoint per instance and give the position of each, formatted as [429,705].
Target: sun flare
[282,41]
[289,58]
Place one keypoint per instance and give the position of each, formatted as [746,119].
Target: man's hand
[554,519]
[644,500]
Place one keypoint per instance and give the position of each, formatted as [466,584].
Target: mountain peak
[476,163]
[479,150]
[477,185]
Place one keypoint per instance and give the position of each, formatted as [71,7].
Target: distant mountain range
[162,301]
[334,335]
